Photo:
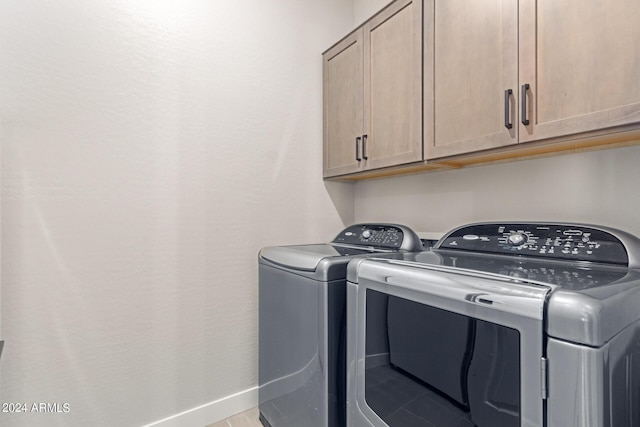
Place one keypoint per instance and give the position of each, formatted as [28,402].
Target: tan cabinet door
[343,98]
[581,60]
[471,64]
[393,85]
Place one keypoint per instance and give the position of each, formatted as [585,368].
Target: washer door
[436,346]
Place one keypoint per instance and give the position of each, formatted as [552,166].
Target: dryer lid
[308,257]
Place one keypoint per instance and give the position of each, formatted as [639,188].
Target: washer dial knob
[366,234]
[517,239]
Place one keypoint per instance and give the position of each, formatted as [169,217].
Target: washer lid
[307,257]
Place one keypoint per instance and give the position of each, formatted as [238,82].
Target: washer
[302,296]
[501,324]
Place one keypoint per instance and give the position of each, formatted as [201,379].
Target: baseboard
[212,412]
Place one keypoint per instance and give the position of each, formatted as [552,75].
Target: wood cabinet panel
[473,61]
[581,60]
[393,85]
[343,105]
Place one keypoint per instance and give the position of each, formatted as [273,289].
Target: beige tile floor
[244,419]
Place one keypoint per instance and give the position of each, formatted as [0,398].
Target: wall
[598,187]
[364,9]
[149,149]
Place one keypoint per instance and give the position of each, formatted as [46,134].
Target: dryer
[501,324]
[302,348]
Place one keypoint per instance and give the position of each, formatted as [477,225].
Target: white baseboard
[212,412]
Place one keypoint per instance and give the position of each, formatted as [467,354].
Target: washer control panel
[378,235]
[572,242]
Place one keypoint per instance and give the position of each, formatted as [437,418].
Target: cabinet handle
[507,108]
[364,147]
[523,98]
[358,149]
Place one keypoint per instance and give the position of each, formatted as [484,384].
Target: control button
[470,237]
[517,239]
[366,234]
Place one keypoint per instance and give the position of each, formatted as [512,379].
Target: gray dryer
[302,348]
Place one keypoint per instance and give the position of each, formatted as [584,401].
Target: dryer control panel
[377,235]
[563,241]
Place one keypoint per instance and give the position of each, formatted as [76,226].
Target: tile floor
[401,400]
[244,419]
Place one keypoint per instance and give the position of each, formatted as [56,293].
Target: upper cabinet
[447,83]
[502,72]
[373,93]
[471,75]
[581,62]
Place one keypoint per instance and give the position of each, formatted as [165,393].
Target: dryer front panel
[438,348]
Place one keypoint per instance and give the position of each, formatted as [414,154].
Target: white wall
[364,9]
[149,149]
[598,187]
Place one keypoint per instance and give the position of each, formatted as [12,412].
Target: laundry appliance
[500,325]
[302,297]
